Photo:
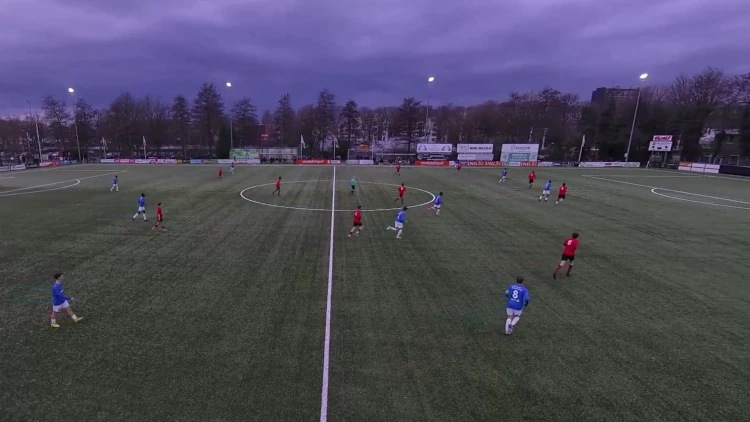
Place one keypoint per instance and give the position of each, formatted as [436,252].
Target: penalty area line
[329,295]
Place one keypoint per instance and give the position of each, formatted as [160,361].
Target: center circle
[242,195]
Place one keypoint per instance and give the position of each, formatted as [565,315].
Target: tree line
[683,108]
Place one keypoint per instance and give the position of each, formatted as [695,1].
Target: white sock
[514,322]
[74,317]
[136,215]
[144,216]
[53,321]
[399,233]
[507,324]
[111,189]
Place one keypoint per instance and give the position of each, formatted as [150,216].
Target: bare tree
[56,116]
[350,121]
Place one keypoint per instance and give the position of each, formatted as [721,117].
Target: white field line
[736,178]
[327,341]
[6,193]
[76,183]
[671,190]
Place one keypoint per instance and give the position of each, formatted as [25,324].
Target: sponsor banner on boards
[18,167]
[4,168]
[521,163]
[476,157]
[475,148]
[47,164]
[431,163]
[360,162]
[548,164]
[225,161]
[605,164]
[107,161]
[248,161]
[32,165]
[321,161]
[482,163]
[434,148]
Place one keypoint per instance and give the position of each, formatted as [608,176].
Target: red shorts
[400,195]
[159,218]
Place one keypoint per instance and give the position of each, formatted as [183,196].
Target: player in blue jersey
[398,226]
[545,191]
[231,167]
[141,207]
[504,176]
[60,302]
[518,298]
[354,186]
[115,185]
[436,205]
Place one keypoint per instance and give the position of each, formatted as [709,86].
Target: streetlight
[427,125]
[72,92]
[642,78]
[231,135]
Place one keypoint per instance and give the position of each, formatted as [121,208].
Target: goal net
[395,157]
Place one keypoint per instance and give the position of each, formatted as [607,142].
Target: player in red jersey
[159,218]
[532,177]
[220,172]
[458,167]
[401,192]
[398,168]
[278,187]
[561,193]
[568,255]
[357,225]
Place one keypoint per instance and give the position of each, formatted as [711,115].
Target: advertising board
[32,165]
[434,148]
[321,161]
[244,153]
[4,168]
[660,143]
[482,163]
[605,164]
[431,163]
[518,153]
[18,167]
[225,161]
[433,156]
[47,164]
[105,161]
[166,161]
[475,157]
[548,164]
[475,148]
[248,161]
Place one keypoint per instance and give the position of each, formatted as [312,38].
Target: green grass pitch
[222,318]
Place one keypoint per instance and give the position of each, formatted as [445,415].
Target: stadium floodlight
[642,78]
[431,79]
[229,84]
[71,90]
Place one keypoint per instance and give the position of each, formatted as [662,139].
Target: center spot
[242,195]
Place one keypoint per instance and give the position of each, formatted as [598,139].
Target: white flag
[583,141]
[302,141]
[144,142]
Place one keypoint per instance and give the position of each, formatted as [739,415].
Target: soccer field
[224,316]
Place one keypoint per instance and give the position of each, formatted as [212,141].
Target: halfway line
[327,341]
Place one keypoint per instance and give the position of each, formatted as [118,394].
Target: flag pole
[144,148]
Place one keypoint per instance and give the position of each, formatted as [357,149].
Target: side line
[327,341]
[59,183]
[654,191]
[77,182]
[670,190]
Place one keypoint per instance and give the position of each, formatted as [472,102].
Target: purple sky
[373,51]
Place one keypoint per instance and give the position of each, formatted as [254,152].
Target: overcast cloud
[373,51]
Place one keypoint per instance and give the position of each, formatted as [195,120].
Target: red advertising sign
[482,163]
[528,163]
[312,161]
[432,163]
